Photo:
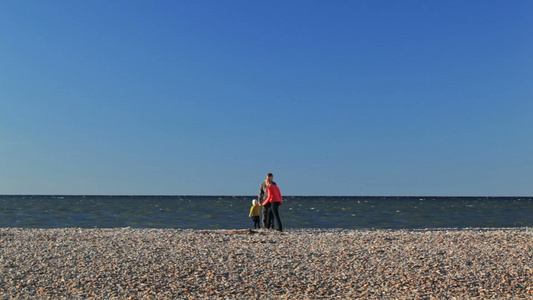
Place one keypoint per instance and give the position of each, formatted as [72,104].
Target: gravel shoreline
[129,263]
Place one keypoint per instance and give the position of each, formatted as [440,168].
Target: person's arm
[269,196]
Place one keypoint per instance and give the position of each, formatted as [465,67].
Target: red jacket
[274,195]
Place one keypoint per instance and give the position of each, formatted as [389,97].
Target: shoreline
[145,263]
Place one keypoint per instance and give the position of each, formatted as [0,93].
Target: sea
[231,212]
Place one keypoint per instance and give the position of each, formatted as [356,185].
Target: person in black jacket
[262,196]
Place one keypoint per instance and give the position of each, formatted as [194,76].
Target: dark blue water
[231,212]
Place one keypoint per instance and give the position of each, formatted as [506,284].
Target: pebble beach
[131,263]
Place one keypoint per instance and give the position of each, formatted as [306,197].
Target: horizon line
[191,195]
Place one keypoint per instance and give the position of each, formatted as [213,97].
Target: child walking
[254,213]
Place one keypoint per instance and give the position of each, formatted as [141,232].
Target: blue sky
[206,97]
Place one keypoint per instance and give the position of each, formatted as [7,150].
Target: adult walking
[262,197]
[273,201]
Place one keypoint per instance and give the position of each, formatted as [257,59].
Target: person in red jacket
[262,197]
[273,202]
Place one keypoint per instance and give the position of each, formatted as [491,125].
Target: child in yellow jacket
[254,213]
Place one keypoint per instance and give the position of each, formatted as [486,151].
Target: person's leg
[268,218]
[264,211]
[275,212]
[271,218]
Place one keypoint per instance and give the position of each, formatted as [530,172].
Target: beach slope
[129,263]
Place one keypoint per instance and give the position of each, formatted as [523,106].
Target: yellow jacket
[254,211]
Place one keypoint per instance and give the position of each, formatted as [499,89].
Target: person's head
[268,181]
[254,202]
[270,176]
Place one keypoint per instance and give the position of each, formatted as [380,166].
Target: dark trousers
[256,222]
[265,215]
[273,216]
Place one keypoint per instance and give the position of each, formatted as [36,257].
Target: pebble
[132,263]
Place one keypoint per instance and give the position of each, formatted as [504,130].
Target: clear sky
[351,97]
